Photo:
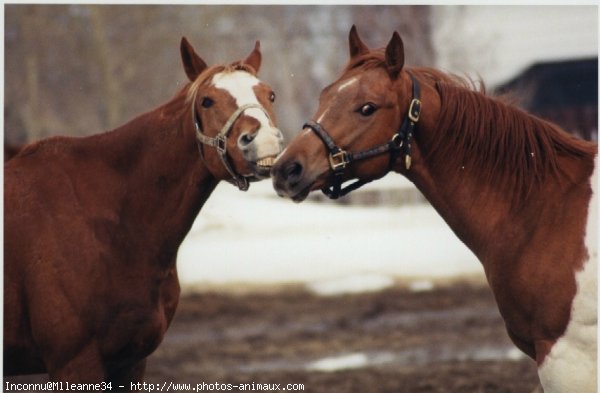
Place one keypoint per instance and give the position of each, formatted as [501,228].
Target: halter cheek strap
[401,142]
[219,142]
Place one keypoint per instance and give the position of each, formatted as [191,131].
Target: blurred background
[81,69]
[369,282]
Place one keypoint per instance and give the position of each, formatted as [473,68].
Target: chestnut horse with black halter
[93,225]
[517,190]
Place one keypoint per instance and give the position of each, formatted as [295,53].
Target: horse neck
[159,179]
[470,215]
[492,219]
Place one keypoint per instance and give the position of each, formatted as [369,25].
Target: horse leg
[126,378]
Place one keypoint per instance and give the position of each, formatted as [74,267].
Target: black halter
[339,159]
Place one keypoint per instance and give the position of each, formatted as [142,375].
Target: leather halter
[219,142]
[339,159]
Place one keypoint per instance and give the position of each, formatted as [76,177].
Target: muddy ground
[449,339]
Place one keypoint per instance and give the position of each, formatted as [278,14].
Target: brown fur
[497,142]
[11,150]
[92,229]
[486,134]
[514,188]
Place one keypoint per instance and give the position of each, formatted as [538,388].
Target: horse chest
[572,358]
[571,364]
[138,336]
[136,330]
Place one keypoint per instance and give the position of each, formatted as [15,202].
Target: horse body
[97,213]
[529,231]
[540,262]
[92,230]
[535,255]
[515,189]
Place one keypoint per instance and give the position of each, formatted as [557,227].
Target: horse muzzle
[260,149]
[292,180]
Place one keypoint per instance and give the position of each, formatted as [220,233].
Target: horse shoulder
[537,283]
[49,243]
[571,364]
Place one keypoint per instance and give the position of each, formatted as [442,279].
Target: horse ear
[255,58]
[394,55]
[357,47]
[192,63]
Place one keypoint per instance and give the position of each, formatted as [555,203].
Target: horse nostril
[293,171]
[246,138]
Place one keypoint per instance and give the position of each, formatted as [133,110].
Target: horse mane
[495,141]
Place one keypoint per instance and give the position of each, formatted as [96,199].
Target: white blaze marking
[240,85]
[280,154]
[344,85]
[320,119]
[349,82]
[571,365]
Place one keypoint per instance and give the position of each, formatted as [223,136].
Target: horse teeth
[266,162]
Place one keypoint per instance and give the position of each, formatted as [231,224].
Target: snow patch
[341,362]
[351,284]
[421,286]
[257,238]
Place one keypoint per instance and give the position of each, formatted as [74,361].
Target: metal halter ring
[414,110]
[338,160]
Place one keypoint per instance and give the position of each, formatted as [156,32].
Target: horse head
[350,136]
[232,112]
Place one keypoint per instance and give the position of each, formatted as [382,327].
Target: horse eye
[207,102]
[367,109]
[272,97]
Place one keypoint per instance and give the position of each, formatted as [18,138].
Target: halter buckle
[398,141]
[221,144]
[338,160]
[414,111]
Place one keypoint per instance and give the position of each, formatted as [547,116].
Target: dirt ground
[449,339]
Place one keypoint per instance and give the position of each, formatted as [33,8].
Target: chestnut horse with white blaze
[517,190]
[93,224]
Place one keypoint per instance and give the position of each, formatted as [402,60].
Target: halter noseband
[339,159]
[219,142]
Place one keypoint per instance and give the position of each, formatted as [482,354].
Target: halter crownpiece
[219,142]
[339,159]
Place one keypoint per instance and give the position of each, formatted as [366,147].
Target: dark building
[563,92]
